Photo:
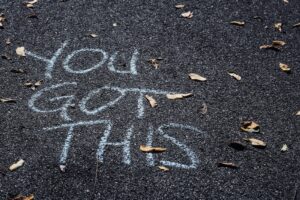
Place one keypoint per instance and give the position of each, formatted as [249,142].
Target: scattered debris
[238,23]
[21,197]
[284,148]
[2,19]
[188,14]
[204,109]
[227,164]
[296,25]
[17,165]
[20,51]
[93,35]
[284,67]
[18,71]
[256,143]
[7,100]
[179,96]
[234,75]
[278,26]
[62,168]
[197,77]
[151,100]
[179,6]
[32,85]
[150,149]
[29,4]
[250,127]
[163,168]
[237,146]
[155,62]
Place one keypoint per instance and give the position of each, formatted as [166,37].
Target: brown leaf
[204,108]
[188,14]
[284,67]
[296,25]
[284,148]
[163,168]
[154,62]
[180,5]
[250,127]
[7,100]
[2,19]
[234,75]
[196,77]
[256,143]
[21,197]
[278,26]
[237,146]
[178,96]
[151,100]
[227,164]
[20,51]
[151,149]
[238,23]
[17,165]
[278,43]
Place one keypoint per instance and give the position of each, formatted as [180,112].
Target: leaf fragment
[151,149]
[18,71]
[237,146]
[20,51]
[250,127]
[298,113]
[179,6]
[278,43]
[256,143]
[17,165]
[269,46]
[296,25]
[7,100]
[2,19]
[284,148]
[151,101]
[227,164]
[93,35]
[284,67]
[286,1]
[21,197]
[197,77]
[62,168]
[188,14]
[278,26]
[234,75]
[163,168]
[8,41]
[154,62]
[179,95]
[33,85]
[238,23]
[29,4]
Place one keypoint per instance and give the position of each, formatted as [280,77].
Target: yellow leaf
[151,149]
[250,126]
[16,165]
[284,67]
[179,6]
[196,77]
[151,100]
[188,14]
[256,143]
[278,26]
[238,23]
[20,51]
[234,75]
[163,168]
[178,96]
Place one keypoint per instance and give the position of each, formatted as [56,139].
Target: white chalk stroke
[133,61]
[122,91]
[63,109]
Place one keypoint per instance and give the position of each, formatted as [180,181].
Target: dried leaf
[278,26]
[7,100]
[93,35]
[196,77]
[21,197]
[16,165]
[180,5]
[33,85]
[178,96]
[238,23]
[20,51]
[298,113]
[256,143]
[7,41]
[227,164]
[237,146]
[250,127]
[284,148]
[62,168]
[18,71]
[204,108]
[163,168]
[154,62]
[269,46]
[151,100]
[284,67]
[279,43]
[188,14]
[285,1]
[2,19]
[234,75]
[296,25]
[150,149]
[29,4]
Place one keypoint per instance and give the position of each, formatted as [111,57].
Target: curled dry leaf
[179,96]
[20,51]
[196,77]
[278,26]
[269,46]
[284,148]
[163,168]
[278,43]
[29,4]
[188,14]
[21,197]
[250,127]
[234,75]
[151,101]
[7,100]
[151,149]
[227,164]
[237,146]
[179,6]
[296,25]
[16,165]
[284,67]
[238,23]
[2,19]
[256,143]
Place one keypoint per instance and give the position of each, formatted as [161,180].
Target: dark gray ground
[206,44]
